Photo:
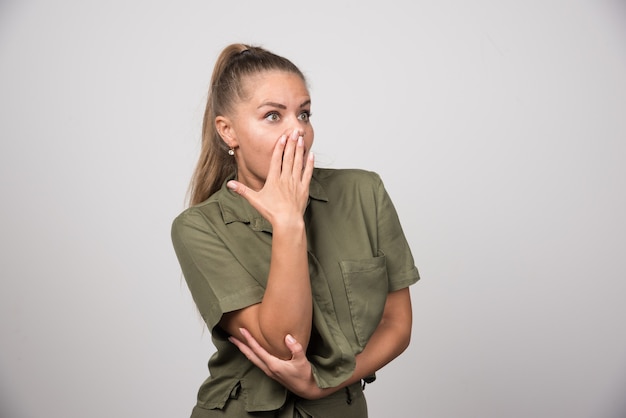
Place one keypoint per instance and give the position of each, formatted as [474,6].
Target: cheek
[262,149]
[257,141]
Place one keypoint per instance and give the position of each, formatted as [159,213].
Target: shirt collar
[235,208]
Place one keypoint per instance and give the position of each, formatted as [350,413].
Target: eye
[305,116]
[272,117]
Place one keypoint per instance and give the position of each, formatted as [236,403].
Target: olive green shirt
[357,255]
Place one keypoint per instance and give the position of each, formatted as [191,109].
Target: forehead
[272,85]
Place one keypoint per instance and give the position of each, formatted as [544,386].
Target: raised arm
[286,307]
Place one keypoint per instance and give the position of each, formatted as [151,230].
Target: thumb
[294,346]
[247,193]
[238,188]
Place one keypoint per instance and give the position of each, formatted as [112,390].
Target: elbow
[405,340]
[276,344]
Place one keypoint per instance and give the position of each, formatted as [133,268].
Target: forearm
[387,343]
[287,304]
[389,340]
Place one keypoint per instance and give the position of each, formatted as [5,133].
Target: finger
[294,346]
[237,187]
[299,157]
[244,191]
[277,157]
[250,355]
[256,347]
[308,169]
[288,156]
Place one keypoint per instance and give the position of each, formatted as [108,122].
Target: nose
[300,128]
[297,122]
[295,131]
[303,127]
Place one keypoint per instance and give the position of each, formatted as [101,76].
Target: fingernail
[290,339]
[300,141]
[311,156]
[295,133]
[283,139]
[231,185]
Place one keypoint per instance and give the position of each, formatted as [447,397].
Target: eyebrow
[282,106]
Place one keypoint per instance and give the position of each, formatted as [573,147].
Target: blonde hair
[235,62]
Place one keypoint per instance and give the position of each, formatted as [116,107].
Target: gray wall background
[498,127]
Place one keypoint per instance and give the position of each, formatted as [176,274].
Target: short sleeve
[392,242]
[217,281]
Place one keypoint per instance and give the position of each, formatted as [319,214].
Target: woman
[301,274]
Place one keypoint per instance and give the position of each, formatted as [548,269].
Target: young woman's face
[277,103]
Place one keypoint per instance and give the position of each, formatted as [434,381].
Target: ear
[225,130]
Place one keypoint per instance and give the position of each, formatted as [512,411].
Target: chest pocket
[367,286]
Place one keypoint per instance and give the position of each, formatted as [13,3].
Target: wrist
[288,225]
